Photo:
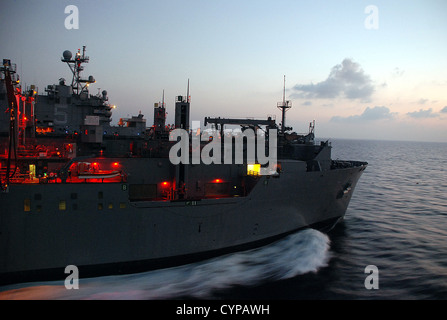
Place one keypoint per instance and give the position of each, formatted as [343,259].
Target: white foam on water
[303,252]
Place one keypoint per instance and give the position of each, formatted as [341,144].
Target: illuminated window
[27,205]
[32,171]
[100,206]
[253,169]
[62,205]
[110,205]
[122,205]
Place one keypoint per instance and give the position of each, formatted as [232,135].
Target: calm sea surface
[396,221]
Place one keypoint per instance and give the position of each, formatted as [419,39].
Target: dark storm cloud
[370,114]
[346,80]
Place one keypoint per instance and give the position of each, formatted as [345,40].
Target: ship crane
[10,82]
[252,123]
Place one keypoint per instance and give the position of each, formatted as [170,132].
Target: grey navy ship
[77,190]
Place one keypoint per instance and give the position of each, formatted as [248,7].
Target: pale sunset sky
[361,69]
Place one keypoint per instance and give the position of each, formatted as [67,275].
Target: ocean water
[396,221]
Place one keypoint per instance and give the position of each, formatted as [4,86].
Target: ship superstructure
[76,190]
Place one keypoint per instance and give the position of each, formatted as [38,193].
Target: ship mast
[284,106]
[78,84]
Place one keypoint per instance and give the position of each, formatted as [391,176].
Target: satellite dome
[91,79]
[104,92]
[67,55]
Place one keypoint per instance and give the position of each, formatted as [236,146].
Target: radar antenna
[78,84]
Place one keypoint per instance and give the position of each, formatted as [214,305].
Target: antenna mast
[78,84]
[187,94]
[284,106]
[284,91]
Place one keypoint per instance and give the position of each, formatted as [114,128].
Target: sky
[361,69]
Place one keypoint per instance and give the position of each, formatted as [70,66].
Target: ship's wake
[303,252]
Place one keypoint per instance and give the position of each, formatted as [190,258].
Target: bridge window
[62,205]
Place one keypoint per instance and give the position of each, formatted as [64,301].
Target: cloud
[422,101]
[444,110]
[397,72]
[346,80]
[370,114]
[423,114]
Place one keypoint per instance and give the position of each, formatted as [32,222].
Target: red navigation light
[217,180]
[116,164]
[165,184]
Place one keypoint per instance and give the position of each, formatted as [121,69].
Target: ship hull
[45,228]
